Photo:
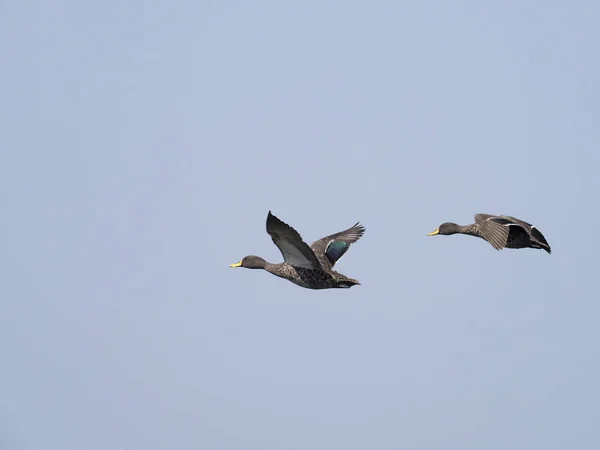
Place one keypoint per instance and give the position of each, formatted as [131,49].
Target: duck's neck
[471,230]
[280,270]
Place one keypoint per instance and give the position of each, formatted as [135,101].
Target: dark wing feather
[526,226]
[538,236]
[493,229]
[294,250]
[532,230]
[331,248]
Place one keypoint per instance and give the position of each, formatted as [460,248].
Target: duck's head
[446,228]
[251,262]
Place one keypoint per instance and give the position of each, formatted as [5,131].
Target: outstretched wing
[295,251]
[494,229]
[331,248]
[531,229]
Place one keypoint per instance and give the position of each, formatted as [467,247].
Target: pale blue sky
[142,145]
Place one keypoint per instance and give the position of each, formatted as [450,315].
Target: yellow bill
[237,264]
[433,233]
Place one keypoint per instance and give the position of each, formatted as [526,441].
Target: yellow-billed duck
[307,266]
[500,231]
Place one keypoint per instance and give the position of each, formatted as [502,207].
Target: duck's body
[308,267]
[500,231]
[310,279]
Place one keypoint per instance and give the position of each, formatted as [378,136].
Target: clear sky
[142,145]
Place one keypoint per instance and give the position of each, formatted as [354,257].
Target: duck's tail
[347,283]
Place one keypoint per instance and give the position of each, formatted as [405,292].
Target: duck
[308,266]
[500,231]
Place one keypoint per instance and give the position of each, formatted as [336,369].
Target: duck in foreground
[307,266]
[500,231]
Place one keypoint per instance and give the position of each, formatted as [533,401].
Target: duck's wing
[331,248]
[494,229]
[531,230]
[295,251]
[514,221]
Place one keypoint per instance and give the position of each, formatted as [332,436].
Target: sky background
[142,145]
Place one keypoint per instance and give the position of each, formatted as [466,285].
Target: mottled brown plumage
[500,231]
[307,266]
